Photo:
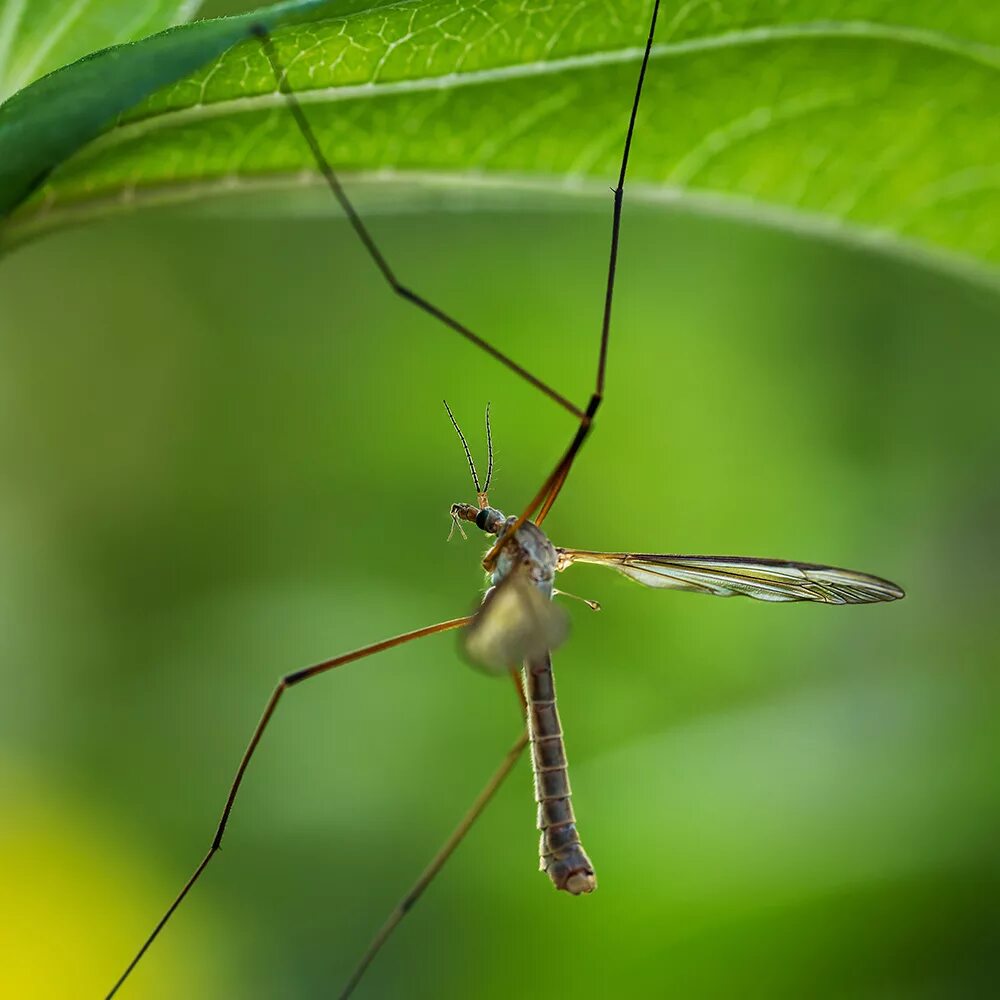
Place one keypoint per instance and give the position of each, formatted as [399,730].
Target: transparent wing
[515,622]
[728,576]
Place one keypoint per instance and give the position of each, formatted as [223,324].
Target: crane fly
[518,625]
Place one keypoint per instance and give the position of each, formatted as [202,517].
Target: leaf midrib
[978,53]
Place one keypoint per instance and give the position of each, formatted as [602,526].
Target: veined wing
[515,622]
[728,576]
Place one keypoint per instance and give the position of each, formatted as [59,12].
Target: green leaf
[48,121]
[38,36]
[878,126]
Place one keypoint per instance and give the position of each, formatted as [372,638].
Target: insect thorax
[531,549]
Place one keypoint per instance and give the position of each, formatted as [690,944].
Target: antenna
[489,452]
[465,445]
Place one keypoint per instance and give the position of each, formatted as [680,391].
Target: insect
[517,625]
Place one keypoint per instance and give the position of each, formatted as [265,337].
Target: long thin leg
[437,862]
[333,182]
[289,680]
[616,218]
[546,496]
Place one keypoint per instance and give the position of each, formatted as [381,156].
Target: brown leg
[552,486]
[289,680]
[359,227]
[437,863]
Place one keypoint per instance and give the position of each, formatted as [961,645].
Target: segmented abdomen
[562,855]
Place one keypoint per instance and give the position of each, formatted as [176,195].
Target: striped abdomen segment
[562,854]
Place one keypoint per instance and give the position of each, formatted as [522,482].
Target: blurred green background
[224,456]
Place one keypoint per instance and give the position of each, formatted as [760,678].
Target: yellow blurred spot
[76,903]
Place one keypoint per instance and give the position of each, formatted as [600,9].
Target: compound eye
[481,518]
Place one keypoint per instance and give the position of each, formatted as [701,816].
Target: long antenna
[465,445]
[333,182]
[489,451]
